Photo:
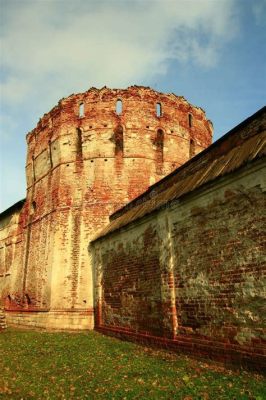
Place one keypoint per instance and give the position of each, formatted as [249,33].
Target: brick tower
[87,157]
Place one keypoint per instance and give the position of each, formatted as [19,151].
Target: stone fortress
[89,156]
[136,225]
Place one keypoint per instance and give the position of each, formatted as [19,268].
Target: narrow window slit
[119,107]
[158,110]
[81,110]
[190,120]
[33,207]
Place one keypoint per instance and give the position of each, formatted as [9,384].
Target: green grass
[45,365]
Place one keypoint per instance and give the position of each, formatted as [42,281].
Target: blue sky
[212,52]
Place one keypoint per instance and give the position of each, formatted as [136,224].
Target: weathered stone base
[55,319]
[227,353]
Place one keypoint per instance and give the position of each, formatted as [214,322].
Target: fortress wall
[191,277]
[80,168]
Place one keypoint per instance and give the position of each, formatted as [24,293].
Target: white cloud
[52,48]
[79,44]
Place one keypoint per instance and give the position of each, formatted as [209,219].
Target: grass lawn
[45,365]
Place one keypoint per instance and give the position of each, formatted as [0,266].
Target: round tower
[87,157]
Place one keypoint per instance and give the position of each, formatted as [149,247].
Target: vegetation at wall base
[55,365]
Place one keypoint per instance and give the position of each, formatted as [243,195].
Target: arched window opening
[81,110]
[119,107]
[79,143]
[190,120]
[192,148]
[119,140]
[158,110]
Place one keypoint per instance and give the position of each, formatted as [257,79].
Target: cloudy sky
[212,52]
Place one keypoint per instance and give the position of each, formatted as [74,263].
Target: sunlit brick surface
[85,160]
